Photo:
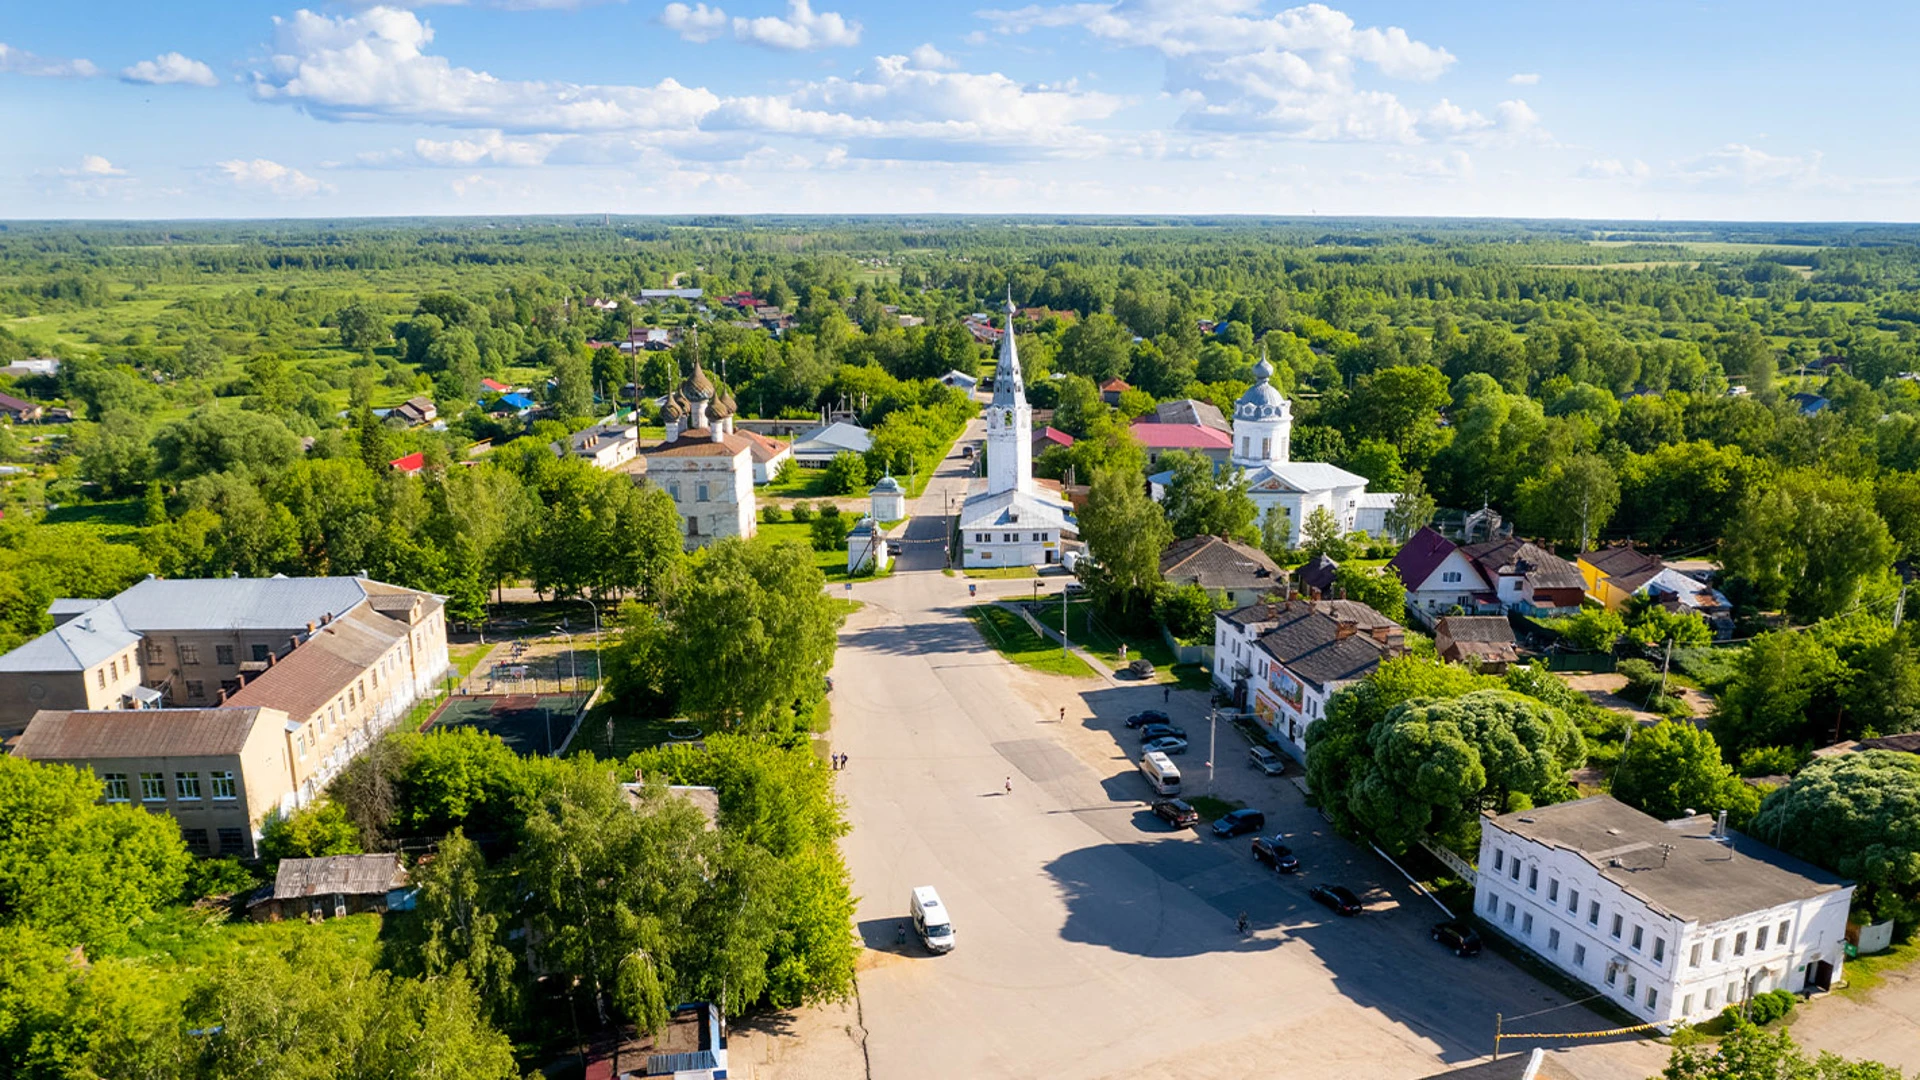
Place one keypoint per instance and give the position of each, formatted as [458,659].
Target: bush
[830,529]
[1593,629]
[1771,761]
[771,513]
[802,513]
[1762,1009]
[846,474]
[1643,680]
[218,877]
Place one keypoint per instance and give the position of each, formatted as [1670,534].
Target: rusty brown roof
[698,443]
[56,735]
[303,681]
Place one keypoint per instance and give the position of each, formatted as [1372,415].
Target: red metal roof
[1181,437]
[412,463]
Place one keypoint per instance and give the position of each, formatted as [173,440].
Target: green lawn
[1864,973]
[1017,642]
[800,483]
[1002,572]
[831,563]
[1103,641]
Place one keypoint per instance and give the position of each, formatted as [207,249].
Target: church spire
[1007,382]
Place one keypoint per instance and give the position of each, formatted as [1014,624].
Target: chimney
[240,680]
[326,617]
[271,659]
[309,629]
[637,778]
[1382,634]
[221,697]
[1344,629]
[1720,826]
[293,642]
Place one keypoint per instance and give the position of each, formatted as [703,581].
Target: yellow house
[1613,574]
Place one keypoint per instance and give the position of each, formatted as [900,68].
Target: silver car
[1266,761]
[1171,744]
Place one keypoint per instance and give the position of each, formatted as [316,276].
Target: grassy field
[1017,642]
[1099,637]
[831,563]
[1002,573]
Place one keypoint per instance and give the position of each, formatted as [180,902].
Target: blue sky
[224,108]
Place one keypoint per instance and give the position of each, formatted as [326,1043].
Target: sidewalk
[1019,608]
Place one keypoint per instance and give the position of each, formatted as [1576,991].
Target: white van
[930,920]
[1161,772]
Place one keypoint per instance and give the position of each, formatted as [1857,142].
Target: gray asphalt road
[1093,940]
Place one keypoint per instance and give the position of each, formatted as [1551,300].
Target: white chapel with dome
[1011,521]
[1262,430]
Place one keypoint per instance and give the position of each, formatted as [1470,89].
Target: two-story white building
[1282,661]
[1673,920]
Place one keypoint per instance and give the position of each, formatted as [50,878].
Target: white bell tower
[1009,421]
[1262,422]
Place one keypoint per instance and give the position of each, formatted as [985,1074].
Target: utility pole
[1065,649]
[1900,605]
[1213,728]
[1585,501]
[1666,664]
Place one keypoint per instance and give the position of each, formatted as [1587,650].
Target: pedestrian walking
[1241,922]
[1166,693]
[1063,714]
[843,763]
[1009,785]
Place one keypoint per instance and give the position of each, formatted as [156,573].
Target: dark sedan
[1240,822]
[1338,897]
[1176,813]
[1459,937]
[1275,854]
[1150,732]
[1151,716]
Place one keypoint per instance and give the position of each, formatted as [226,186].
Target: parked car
[1141,668]
[1458,936]
[1239,822]
[1275,854]
[1169,745]
[1176,813]
[1338,897]
[1151,716]
[1074,587]
[1266,761]
[1161,731]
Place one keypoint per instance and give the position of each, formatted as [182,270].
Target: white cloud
[373,66]
[95,165]
[1525,78]
[927,56]
[909,110]
[1614,169]
[22,62]
[699,23]
[1452,165]
[1239,69]
[493,148]
[271,176]
[1737,165]
[802,29]
[170,68]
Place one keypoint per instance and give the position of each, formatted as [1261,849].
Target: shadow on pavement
[894,936]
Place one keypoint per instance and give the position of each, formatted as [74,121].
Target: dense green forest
[1740,393]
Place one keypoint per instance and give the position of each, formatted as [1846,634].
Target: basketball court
[527,723]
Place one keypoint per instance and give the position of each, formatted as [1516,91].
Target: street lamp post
[573,671]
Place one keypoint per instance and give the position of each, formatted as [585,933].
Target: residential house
[1437,575]
[515,403]
[821,445]
[693,1046]
[1240,572]
[1613,575]
[960,380]
[649,296]
[1190,411]
[218,772]
[18,411]
[494,386]
[1483,642]
[1670,920]
[704,464]
[44,367]
[331,887]
[1157,439]
[1315,579]
[415,411]
[1899,744]
[608,444]
[768,454]
[1809,404]
[1526,577]
[1047,437]
[410,464]
[1282,661]
[1111,390]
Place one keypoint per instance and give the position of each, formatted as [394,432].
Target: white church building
[1262,431]
[1009,521]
